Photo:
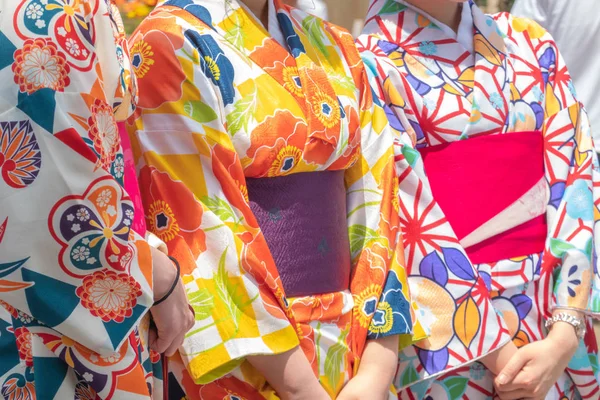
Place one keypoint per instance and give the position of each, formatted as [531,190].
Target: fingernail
[501,379]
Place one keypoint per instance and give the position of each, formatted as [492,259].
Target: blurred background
[347,13]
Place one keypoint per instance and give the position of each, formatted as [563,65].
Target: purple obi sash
[303,219]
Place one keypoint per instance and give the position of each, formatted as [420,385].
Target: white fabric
[575,26]
[464,34]
[315,7]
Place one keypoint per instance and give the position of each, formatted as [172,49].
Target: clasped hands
[530,371]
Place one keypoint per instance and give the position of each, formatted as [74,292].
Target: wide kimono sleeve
[65,239]
[195,199]
[378,281]
[452,299]
[571,170]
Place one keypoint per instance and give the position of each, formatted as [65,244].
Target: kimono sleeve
[379,282]
[571,169]
[195,200]
[65,240]
[449,294]
[113,57]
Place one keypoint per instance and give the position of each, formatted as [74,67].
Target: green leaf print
[392,7]
[314,31]
[202,303]
[411,155]
[559,247]
[456,386]
[235,34]
[228,292]
[220,208]
[345,82]
[243,110]
[589,249]
[360,236]
[199,111]
[335,358]
[409,376]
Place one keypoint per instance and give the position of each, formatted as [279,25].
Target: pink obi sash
[493,192]
[130,182]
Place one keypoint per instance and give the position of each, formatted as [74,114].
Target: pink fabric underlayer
[131,183]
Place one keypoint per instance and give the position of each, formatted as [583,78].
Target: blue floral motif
[428,48]
[215,65]
[572,89]
[291,37]
[496,100]
[387,47]
[195,9]
[538,110]
[392,316]
[580,360]
[580,201]
[537,92]
[477,371]
[547,63]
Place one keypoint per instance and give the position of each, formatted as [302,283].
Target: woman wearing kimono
[498,196]
[267,168]
[76,283]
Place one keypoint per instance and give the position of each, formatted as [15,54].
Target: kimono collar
[274,28]
[464,35]
[403,24]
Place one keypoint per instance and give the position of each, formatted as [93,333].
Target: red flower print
[109,295]
[276,146]
[19,387]
[39,64]
[104,133]
[11,310]
[152,53]
[24,345]
[174,215]
[20,156]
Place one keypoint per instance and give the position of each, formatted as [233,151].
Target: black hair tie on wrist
[173,286]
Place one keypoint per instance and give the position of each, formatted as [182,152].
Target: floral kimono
[75,281]
[498,192]
[225,108]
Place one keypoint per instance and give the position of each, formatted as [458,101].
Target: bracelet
[576,323]
[173,286]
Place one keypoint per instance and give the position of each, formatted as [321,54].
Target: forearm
[380,359]
[496,360]
[290,374]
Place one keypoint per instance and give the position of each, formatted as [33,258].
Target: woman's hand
[174,317]
[376,371]
[535,367]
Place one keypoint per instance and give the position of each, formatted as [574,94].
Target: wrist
[164,274]
[564,335]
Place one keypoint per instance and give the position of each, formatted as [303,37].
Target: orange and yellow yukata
[226,105]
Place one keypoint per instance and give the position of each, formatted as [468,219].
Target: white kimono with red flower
[484,266]
[75,280]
